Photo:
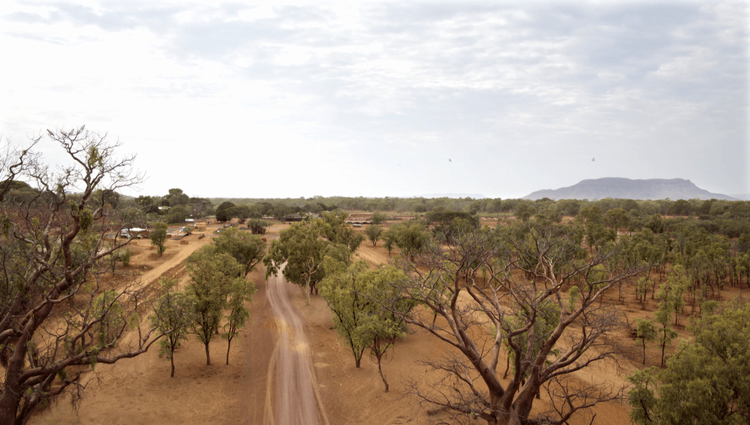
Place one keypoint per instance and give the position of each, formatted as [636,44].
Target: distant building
[359,218]
[293,217]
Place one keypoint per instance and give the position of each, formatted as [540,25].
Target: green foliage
[257,227]
[645,331]
[356,297]
[410,237]
[299,252]
[125,257]
[172,316]
[616,218]
[240,291]
[302,247]
[373,233]
[212,275]
[337,232]
[674,289]
[706,382]
[177,214]
[530,342]
[663,316]
[389,240]
[247,249]
[447,225]
[524,211]
[379,218]
[223,211]
[109,312]
[158,236]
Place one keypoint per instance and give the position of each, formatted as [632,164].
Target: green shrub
[125,257]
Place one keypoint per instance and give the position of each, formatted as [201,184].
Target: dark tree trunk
[229,345]
[208,356]
[382,376]
[507,366]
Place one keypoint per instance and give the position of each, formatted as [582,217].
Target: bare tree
[14,162]
[522,309]
[57,316]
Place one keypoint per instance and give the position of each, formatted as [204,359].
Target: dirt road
[295,386]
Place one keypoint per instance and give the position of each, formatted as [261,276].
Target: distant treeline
[570,207]
[730,218]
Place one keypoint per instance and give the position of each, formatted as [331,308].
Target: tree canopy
[247,249]
[706,381]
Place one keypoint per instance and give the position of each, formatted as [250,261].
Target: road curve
[295,386]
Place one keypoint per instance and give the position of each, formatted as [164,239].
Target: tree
[158,236]
[389,240]
[300,250]
[524,211]
[356,297]
[338,232]
[546,259]
[55,315]
[681,207]
[239,292]
[257,227]
[410,237]
[663,316]
[223,211]
[197,207]
[674,289]
[177,197]
[299,254]
[645,331]
[173,316]
[706,381]
[247,249]
[379,218]
[373,233]
[616,218]
[212,274]
[341,290]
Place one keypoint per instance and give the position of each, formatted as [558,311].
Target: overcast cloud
[385,99]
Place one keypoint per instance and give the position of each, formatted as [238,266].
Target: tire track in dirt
[295,386]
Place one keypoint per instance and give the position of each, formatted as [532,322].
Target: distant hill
[616,187]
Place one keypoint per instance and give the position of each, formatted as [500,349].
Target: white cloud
[331,98]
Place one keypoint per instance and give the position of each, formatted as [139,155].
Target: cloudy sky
[249,99]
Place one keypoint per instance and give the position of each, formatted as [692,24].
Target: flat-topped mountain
[616,187]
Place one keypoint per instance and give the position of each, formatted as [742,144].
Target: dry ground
[140,391]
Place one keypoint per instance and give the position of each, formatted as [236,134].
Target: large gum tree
[58,317]
[529,272]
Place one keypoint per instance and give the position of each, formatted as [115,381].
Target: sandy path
[297,399]
[176,260]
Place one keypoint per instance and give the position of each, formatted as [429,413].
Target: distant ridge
[622,188]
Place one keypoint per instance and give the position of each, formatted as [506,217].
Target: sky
[401,99]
